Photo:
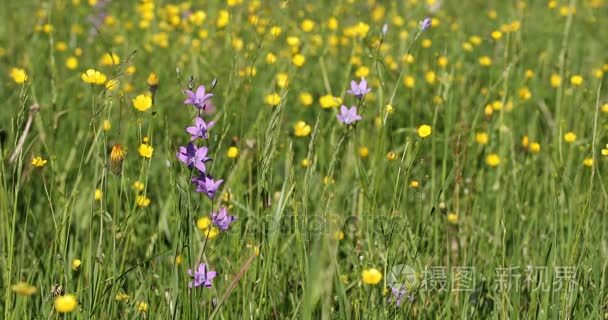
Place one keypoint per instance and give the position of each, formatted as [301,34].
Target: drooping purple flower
[193,156]
[425,24]
[222,219]
[205,184]
[199,129]
[197,99]
[348,116]
[359,89]
[201,276]
[398,293]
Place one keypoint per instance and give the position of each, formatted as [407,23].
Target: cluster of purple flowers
[349,116]
[398,293]
[196,156]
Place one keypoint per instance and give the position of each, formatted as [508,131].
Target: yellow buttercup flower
[525,93]
[305,163]
[66,303]
[271,58]
[24,289]
[588,162]
[556,80]
[209,231]
[576,80]
[306,99]
[362,72]
[98,194]
[71,63]
[361,29]
[525,142]
[223,18]
[570,137]
[203,223]
[138,186]
[121,296]
[142,307]
[109,59]
[430,77]
[233,152]
[272,99]
[442,61]
[409,81]
[61,46]
[476,40]
[371,276]
[145,150]
[481,138]
[38,162]
[298,60]
[452,218]
[535,147]
[332,23]
[329,101]
[282,79]
[424,131]
[301,129]
[275,31]
[496,35]
[142,102]
[363,152]
[18,75]
[93,76]
[76,263]
[485,61]
[493,160]
[142,201]
[307,25]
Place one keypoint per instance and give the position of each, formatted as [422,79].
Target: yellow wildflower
[371,276]
[66,303]
[18,75]
[301,129]
[24,289]
[145,150]
[233,152]
[76,263]
[142,102]
[493,160]
[272,99]
[38,162]
[424,131]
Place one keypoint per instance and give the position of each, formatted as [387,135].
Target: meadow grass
[473,187]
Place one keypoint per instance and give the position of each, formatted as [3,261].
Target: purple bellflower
[398,293]
[201,276]
[193,156]
[205,184]
[359,89]
[199,129]
[222,219]
[348,116]
[198,99]
[425,24]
